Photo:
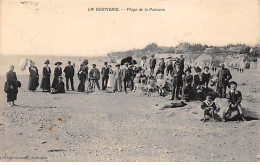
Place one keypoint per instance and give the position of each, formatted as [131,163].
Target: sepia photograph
[129,81]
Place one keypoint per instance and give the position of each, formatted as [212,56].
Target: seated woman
[11,86]
[60,87]
[150,84]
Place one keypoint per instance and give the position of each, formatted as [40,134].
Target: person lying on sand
[234,98]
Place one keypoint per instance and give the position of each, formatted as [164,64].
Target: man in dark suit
[176,81]
[182,60]
[69,74]
[104,76]
[223,79]
[126,77]
[152,64]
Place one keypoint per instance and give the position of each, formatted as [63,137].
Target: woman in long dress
[34,77]
[117,79]
[110,77]
[83,75]
[11,86]
[46,74]
[57,74]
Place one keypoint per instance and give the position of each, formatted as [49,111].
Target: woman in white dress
[111,77]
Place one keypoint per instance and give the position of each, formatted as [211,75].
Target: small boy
[209,107]
[234,98]
[161,85]
[136,82]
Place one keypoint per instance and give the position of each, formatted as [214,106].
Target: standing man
[104,76]
[161,67]
[176,82]
[223,79]
[126,77]
[152,64]
[94,74]
[69,74]
[169,65]
[182,60]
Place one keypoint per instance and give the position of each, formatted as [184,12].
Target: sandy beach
[104,126]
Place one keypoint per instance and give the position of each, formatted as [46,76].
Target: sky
[58,27]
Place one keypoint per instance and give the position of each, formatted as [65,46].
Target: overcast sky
[62,27]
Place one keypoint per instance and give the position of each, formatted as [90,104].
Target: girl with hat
[57,73]
[187,88]
[83,75]
[46,74]
[60,86]
[206,76]
[110,77]
[34,77]
[234,98]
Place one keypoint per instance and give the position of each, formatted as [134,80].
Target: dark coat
[208,107]
[60,87]
[46,74]
[224,76]
[152,63]
[94,72]
[11,86]
[57,73]
[83,73]
[126,74]
[162,66]
[69,71]
[234,98]
[105,72]
[177,77]
[197,81]
[33,78]
[206,78]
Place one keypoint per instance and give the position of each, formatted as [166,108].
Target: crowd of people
[172,77]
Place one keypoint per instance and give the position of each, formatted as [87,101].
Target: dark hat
[69,62]
[143,57]
[198,69]
[210,94]
[169,57]
[58,63]
[205,67]
[47,62]
[231,82]
[105,63]
[94,65]
[117,65]
[109,65]
[188,69]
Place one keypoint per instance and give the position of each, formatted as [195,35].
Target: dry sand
[123,127]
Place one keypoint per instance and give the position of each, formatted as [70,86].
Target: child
[150,85]
[234,98]
[136,82]
[209,106]
[161,85]
[143,78]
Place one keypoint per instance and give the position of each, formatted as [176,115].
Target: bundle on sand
[174,104]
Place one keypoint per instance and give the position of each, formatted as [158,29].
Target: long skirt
[117,85]
[54,82]
[46,84]
[81,87]
[110,81]
[11,96]
[33,83]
